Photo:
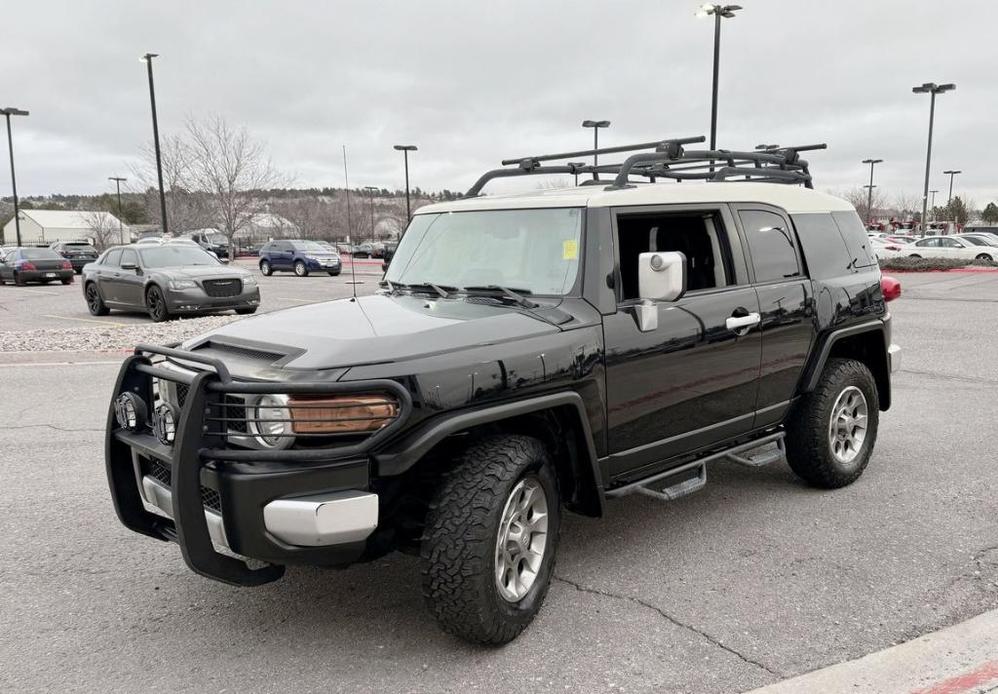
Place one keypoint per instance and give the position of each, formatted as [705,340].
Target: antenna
[353,260]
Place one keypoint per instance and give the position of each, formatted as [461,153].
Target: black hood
[376,329]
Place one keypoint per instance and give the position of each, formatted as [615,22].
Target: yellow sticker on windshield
[569,249]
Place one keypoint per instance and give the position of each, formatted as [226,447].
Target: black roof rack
[667,159]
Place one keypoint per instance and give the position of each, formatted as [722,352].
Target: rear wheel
[301,269]
[68,280]
[491,536]
[985,256]
[914,255]
[95,304]
[265,268]
[334,274]
[156,305]
[832,430]
[18,280]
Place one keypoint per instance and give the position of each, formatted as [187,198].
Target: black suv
[526,354]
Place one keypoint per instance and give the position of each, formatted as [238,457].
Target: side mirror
[661,277]
[128,266]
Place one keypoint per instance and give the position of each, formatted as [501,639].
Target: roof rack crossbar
[605,150]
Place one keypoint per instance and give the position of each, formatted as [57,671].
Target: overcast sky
[472,82]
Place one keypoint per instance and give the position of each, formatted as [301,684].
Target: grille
[235,412]
[222,288]
[181,389]
[209,497]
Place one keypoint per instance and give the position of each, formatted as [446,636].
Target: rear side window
[113,257]
[824,248]
[854,234]
[771,245]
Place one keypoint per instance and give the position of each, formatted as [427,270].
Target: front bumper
[894,358]
[196,300]
[310,506]
[331,266]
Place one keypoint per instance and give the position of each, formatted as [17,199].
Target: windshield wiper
[442,290]
[514,294]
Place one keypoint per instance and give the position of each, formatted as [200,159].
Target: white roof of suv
[794,199]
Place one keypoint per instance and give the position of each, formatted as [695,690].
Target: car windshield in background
[175,256]
[39,254]
[532,250]
[217,239]
[311,247]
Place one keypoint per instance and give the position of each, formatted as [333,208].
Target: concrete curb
[961,658]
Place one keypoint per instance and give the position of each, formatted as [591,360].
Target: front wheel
[491,536]
[265,269]
[156,305]
[334,274]
[301,269]
[832,430]
[985,256]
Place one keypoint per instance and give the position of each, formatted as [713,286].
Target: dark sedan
[167,280]
[44,265]
[78,253]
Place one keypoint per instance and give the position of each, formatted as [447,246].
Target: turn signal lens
[890,287]
[342,414]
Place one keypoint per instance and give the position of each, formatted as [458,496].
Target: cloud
[473,83]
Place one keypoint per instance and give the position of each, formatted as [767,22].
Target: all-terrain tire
[461,534]
[810,447]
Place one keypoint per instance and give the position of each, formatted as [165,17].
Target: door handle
[738,322]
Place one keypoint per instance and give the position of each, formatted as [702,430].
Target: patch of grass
[930,264]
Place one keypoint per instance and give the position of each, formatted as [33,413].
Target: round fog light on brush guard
[165,423]
[129,411]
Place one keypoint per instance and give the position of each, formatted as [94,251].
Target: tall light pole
[932,89]
[118,180]
[147,59]
[405,149]
[8,112]
[595,125]
[370,190]
[718,11]
[869,196]
[951,173]
[932,205]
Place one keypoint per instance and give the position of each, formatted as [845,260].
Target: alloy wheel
[522,539]
[848,425]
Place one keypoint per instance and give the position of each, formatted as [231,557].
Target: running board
[658,486]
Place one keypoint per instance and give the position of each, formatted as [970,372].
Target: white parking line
[36,290]
[57,363]
[87,320]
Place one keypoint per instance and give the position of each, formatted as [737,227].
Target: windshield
[39,254]
[175,256]
[217,239]
[535,251]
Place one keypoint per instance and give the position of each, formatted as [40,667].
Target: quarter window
[771,245]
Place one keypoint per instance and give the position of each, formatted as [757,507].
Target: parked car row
[967,246]
[21,265]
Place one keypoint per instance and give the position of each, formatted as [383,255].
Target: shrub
[902,264]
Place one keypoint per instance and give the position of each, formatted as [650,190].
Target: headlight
[271,421]
[248,279]
[183,284]
[341,414]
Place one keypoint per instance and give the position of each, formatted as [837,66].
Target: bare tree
[860,199]
[186,208]
[105,229]
[228,165]
[907,205]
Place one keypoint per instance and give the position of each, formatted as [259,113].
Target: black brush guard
[195,444]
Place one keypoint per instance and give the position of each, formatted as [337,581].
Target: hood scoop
[246,351]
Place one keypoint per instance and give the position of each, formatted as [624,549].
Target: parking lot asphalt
[755,579]
[37,306]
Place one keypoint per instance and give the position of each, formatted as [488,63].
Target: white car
[949,247]
[885,248]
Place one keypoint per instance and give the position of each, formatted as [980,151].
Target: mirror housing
[129,266]
[661,277]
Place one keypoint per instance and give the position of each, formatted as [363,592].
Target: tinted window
[854,234]
[128,256]
[950,243]
[976,241]
[113,257]
[39,254]
[928,243]
[770,244]
[823,246]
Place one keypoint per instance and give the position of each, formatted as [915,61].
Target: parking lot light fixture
[951,173]
[147,59]
[595,125]
[930,88]
[718,12]
[405,149]
[8,112]
[869,196]
[118,180]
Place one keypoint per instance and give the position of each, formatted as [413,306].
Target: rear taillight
[890,287]
[26,265]
[66,265]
